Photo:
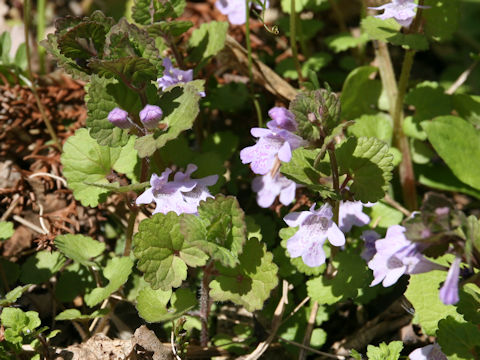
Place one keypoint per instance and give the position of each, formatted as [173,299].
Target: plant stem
[205,304]
[293,40]
[26,19]
[336,183]
[250,65]
[41,33]
[308,332]
[400,140]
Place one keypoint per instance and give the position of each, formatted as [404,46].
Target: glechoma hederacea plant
[329,163]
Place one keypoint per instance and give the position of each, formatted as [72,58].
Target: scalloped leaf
[249,284]
[152,304]
[19,322]
[441,19]
[103,95]
[75,314]
[41,266]
[390,31]
[172,28]
[226,230]
[79,248]
[422,292]
[84,41]
[132,69]
[458,339]
[345,41]
[6,230]
[385,352]
[116,272]
[146,12]
[301,170]
[207,41]
[13,295]
[165,245]
[84,161]
[369,163]
[180,108]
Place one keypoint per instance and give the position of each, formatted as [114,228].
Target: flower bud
[150,116]
[119,118]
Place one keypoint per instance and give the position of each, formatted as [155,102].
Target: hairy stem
[26,19]
[293,40]
[41,33]
[256,104]
[336,183]
[205,304]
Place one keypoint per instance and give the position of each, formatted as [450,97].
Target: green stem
[293,40]
[250,65]
[41,33]
[130,226]
[336,183]
[26,19]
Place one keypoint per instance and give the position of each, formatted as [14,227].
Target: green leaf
[6,230]
[207,41]
[79,248]
[132,69]
[152,304]
[165,245]
[457,142]
[172,28]
[13,271]
[384,351]
[248,284]
[422,292]
[74,281]
[230,97]
[103,95]
[384,216]
[369,163]
[360,94]
[13,295]
[441,19]
[378,125]
[84,161]
[74,314]
[345,41]
[84,41]
[18,322]
[350,282]
[459,340]
[180,108]
[116,272]
[390,31]
[226,231]
[301,170]
[5,45]
[144,12]
[40,267]
[304,5]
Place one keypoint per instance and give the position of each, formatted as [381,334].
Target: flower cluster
[236,10]
[182,195]
[150,116]
[174,76]
[275,144]
[403,11]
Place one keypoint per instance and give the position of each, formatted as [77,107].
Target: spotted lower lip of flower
[268,188]
[315,227]
[350,214]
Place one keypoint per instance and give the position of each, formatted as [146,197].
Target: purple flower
[182,195]
[173,76]
[429,352]
[369,236]
[235,10]
[150,116]
[268,188]
[315,227]
[403,11]
[350,213]
[449,290]
[272,143]
[282,118]
[396,255]
[119,118]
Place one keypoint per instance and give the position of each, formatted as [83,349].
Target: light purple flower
[235,10]
[272,143]
[396,255]
[182,195]
[316,226]
[449,290]
[268,188]
[150,116]
[119,118]
[350,213]
[369,236]
[282,118]
[429,352]
[403,11]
